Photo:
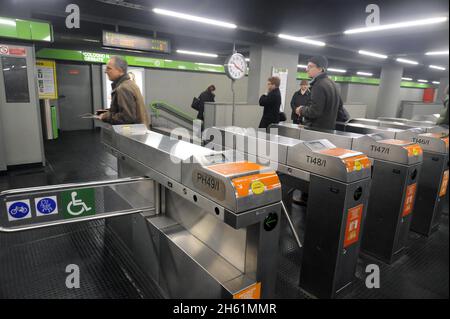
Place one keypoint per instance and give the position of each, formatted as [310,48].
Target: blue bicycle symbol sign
[18,210]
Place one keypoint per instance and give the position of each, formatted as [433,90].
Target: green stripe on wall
[25,29]
[95,57]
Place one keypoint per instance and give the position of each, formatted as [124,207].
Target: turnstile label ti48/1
[353,226]
[409,199]
[252,292]
[444,185]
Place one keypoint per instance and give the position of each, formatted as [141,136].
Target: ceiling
[259,22]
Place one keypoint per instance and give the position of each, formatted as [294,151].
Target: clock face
[236,67]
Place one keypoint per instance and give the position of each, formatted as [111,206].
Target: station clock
[236,66]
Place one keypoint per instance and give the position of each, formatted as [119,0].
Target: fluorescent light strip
[436,82]
[209,55]
[437,53]
[8,22]
[301,66]
[337,70]
[407,61]
[209,64]
[399,25]
[437,67]
[376,55]
[364,73]
[302,40]
[407,79]
[247,59]
[194,18]
[422,81]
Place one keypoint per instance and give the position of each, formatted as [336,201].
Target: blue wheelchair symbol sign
[46,206]
[18,210]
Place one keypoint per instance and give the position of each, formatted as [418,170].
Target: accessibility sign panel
[46,206]
[78,203]
[18,210]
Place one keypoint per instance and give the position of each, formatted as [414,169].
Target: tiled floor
[33,263]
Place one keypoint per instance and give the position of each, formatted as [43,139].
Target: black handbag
[195,104]
[282,117]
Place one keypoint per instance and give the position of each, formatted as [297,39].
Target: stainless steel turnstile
[433,184]
[216,232]
[337,182]
[396,167]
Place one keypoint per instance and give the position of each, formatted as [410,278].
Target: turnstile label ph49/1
[444,185]
[252,292]
[409,199]
[353,227]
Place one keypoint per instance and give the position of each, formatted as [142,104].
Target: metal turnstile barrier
[218,229]
[337,182]
[433,184]
[396,167]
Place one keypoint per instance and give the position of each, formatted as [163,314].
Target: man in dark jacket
[300,98]
[127,105]
[325,98]
[205,96]
[271,103]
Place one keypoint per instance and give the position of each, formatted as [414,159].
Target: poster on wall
[282,73]
[46,79]
[136,74]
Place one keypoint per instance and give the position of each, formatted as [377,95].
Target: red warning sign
[353,226]
[444,185]
[408,205]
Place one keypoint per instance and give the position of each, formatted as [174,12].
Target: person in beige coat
[127,105]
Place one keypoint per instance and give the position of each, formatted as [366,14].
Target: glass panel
[16,80]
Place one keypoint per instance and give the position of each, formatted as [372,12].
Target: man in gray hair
[127,105]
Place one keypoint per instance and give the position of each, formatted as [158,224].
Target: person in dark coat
[325,98]
[206,96]
[300,98]
[271,103]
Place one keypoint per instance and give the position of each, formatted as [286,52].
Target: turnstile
[396,168]
[433,184]
[337,181]
[217,231]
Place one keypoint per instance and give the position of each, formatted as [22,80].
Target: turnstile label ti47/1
[353,226]
[444,185]
[409,199]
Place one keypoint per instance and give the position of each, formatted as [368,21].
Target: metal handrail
[77,220]
[72,185]
[172,110]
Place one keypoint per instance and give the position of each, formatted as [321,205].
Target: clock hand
[238,67]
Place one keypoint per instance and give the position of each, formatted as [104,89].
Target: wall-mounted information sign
[46,77]
[128,41]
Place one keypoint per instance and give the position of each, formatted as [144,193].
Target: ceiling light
[376,55]
[301,66]
[209,64]
[194,18]
[209,55]
[407,79]
[399,25]
[364,73]
[247,59]
[436,82]
[437,53]
[336,70]
[437,67]
[422,81]
[302,40]
[407,61]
